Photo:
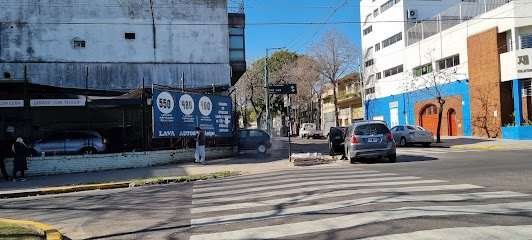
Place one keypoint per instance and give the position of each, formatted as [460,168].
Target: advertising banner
[177,114]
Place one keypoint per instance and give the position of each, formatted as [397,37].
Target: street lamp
[267,90]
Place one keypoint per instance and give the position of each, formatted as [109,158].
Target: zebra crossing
[432,151]
[315,202]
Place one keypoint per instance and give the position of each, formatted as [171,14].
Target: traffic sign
[283,89]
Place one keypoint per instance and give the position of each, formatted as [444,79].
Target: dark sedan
[254,139]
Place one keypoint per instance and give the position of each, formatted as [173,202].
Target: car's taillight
[389,137]
[354,139]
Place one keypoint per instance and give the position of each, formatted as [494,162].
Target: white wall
[43,31]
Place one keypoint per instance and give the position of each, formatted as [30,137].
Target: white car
[309,130]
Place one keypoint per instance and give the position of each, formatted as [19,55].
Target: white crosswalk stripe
[432,151]
[522,232]
[291,207]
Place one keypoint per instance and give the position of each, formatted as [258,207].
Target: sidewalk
[484,143]
[244,164]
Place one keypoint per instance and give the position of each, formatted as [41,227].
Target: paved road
[432,192]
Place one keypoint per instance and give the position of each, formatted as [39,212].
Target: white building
[114,44]
[469,48]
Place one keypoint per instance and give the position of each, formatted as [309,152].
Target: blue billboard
[177,114]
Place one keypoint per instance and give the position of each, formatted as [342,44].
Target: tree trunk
[441,102]
[335,100]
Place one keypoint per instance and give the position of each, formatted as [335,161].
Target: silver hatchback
[370,139]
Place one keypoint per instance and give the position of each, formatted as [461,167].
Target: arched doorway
[428,118]
[451,117]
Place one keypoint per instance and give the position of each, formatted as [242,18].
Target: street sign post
[288,89]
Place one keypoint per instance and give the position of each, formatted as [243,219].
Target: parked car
[71,142]
[405,135]
[336,140]
[309,130]
[254,139]
[370,139]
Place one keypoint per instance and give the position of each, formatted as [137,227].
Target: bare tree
[432,81]
[335,56]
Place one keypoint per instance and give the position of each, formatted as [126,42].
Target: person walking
[200,146]
[3,155]
[20,163]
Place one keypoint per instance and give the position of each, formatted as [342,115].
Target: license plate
[373,140]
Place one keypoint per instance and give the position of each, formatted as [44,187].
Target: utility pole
[267,90]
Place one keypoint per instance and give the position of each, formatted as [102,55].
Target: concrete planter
[90,163]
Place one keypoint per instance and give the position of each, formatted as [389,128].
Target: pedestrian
[3,155]
[20,163]
[200,146]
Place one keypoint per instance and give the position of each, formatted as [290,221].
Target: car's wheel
[403,142]
[88,151]
[352,159]
[392,158]
[262,149]
[426,144]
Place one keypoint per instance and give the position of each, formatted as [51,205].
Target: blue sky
[296,37]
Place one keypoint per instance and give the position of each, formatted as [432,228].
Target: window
[393,71]
[129,36]
[391,40]
[526,40]
[377,47]
[376,12]
[369,63]
[369,50]
[255,133]
[449,62]
[370,90]
[79,43]
[378,75]
[387,5]
[371,129]
[368,30]
[422,70]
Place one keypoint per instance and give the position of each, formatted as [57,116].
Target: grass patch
[16,232]
[182,179]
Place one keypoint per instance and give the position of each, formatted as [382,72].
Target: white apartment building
[473,54]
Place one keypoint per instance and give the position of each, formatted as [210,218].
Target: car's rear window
[371,129]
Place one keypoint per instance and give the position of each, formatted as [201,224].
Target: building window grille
[369,63]
[368,30]
[393,71]
[393,39]
[129,36]
[448,62]
[526,40]
[376,12]
[378,75]
[387,5]
[76,43]
[377,47]
[422,70]
[370,90]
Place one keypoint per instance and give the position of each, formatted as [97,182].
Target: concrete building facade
[114,45]
[471,54]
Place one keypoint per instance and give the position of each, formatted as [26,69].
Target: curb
[116,185]
[47,230]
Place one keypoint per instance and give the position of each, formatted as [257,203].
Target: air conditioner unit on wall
[412,13]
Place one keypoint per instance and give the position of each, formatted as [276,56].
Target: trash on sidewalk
[310,159]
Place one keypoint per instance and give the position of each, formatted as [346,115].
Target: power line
[265,23]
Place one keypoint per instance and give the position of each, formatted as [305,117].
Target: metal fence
[449,18]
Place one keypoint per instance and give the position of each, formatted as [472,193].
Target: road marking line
[354,220]
[279,176]
[304,198]
[523,232]
[255,185]
[356,202]
[196,201]
[300,184]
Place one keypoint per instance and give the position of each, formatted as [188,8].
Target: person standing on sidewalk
[20,164]
[3,155]
[200,146]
